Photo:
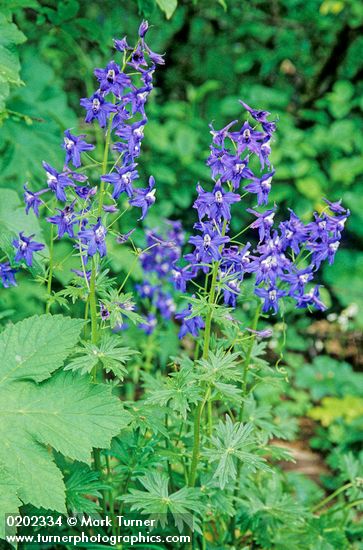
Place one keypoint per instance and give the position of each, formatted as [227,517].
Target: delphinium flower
[162,251]
[25,248]
[286,258]
[7,275]
[80,207]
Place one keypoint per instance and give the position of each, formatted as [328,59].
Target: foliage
[38,409]
[207,433]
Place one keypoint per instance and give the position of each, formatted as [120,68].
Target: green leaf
[109,354]
[230,443]
[10,36]
[157,502]
[82,483]
[167,6]
[35,347]
[65,412]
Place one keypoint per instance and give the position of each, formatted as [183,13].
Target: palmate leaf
[81,483]
[109,353]
[232,442]
[38,411]
[156,500]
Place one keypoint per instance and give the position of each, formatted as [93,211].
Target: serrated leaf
[232,442]
[109,354]
[36,347]
[65,412]
[81,483]
[156,500]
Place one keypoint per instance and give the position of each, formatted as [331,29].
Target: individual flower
[248,138]
[57,181]
[143,28]
[64,221]
[144,198]
[312,298]
[121,45]
[32,200]
[207,245]
[149,324]
[94,239]
[271,297]
[122,180]
[297,279]
[25,248]
[219,136]
[190,325]
[257,114]
[74,146]
[217,205]
[293,232]
[236,170]
[112,79]
[263,223]
[97,108]
[261,187]
[7,275]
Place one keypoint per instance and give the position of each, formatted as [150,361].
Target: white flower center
[69,143]
[219,197]
[96,104]
[207,240]
[272,295]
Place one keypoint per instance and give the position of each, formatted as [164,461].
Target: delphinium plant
[195,441]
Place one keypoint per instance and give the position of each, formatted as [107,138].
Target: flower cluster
[118,107]
[286,258]
[163,250]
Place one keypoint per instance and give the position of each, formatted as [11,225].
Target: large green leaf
[65,412]
[10,36]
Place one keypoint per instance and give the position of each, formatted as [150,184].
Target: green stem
[200,407]
[246,366]
[196,446]
[332,496]
[51,266]
[93,304]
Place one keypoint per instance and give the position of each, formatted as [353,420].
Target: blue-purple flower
[57,181]
[25,248]
[190,324]
[7,275]
[97,109]
[144,198]
[94,239]
[74,146]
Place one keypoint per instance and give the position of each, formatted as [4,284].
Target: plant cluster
[196,438]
